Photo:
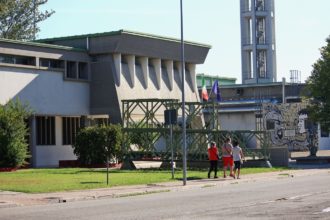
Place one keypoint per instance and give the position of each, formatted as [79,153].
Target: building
[74,81]
[210,79]
[277,107]
[258,47]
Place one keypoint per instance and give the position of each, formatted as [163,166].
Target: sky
[301,27]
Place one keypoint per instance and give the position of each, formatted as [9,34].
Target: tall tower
[258,41]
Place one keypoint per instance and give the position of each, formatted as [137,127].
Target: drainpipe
[283,90]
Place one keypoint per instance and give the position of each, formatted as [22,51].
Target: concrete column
[156,63]
[192,71]
[144,65]
[33,140]
[117,62]
[178,67]
[131,66]
[170,72]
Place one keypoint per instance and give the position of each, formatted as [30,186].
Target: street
[287,197]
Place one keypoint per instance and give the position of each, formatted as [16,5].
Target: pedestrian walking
[238,157]
[227,157]
[213,155]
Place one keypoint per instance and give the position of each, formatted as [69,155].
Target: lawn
[52,180]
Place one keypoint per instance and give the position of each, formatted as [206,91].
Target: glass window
[70,127]
[20,60]
[51,63]
[83,70]
[324,131]
[71,70]
[45,126]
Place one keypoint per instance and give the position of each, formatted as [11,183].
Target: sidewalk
[12,199]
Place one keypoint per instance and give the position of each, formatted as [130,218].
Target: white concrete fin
[117,62]
[130,59]
[170,72]
[157,64]
[192,71]
[178,67]
[144,65]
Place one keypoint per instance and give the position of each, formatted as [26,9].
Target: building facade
[71,82]
[277,107]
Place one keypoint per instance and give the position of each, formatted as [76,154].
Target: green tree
[318,86]
[94,145]
[13,130]
[19,18]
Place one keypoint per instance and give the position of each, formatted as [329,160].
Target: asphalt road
[301,197]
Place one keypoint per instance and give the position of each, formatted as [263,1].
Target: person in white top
[227,157]
[238,156]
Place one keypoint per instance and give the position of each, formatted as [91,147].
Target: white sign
[290,133]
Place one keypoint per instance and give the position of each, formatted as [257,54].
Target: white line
[326,210]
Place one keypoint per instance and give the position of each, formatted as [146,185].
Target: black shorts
[237,164]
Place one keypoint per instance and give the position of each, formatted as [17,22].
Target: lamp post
[184,147]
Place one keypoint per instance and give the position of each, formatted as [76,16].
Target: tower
[258,41]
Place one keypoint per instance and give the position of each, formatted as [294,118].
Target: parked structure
[73,81]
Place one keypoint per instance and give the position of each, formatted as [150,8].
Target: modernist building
[71,81]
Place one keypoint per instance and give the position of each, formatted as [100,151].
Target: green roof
[215,77]
[112,33]
[37,44]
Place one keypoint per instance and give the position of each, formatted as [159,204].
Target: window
[45,130]
[83,70]
[324,131]
[259,121]
[71,70]
[51,63]
[70,127]
[20,60]
[270,124]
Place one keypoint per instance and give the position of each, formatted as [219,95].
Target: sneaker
[216,177]
[232,176]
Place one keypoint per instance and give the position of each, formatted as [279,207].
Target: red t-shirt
[213,153]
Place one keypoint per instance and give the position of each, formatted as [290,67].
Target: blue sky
[301,27]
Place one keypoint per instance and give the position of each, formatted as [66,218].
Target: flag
[205,96]
[216,90]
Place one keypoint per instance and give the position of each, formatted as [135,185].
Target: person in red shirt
[213,158]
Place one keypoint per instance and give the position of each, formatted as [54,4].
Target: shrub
[13,130]
[95,144]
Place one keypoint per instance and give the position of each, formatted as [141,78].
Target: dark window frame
[45,130]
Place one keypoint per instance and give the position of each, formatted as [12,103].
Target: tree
[318,85]
[13,130]
[19,18]
[94,145]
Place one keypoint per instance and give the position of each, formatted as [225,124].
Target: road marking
[300,196]
[326,210]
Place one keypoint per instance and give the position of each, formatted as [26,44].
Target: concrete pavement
[11,199]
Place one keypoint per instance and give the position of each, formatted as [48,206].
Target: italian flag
[205,96]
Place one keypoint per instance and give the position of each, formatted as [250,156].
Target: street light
[184,150]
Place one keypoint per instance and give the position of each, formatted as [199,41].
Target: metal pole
[184,150]
[172,153]
[107,170]
[34,20]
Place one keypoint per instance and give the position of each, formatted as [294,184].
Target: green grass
[53,180]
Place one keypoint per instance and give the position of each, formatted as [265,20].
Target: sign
[170,116]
